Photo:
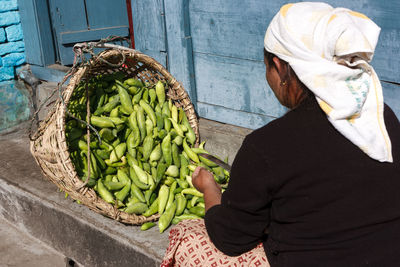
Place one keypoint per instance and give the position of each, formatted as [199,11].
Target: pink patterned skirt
[189,245]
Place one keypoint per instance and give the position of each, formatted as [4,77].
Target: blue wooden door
[85,20]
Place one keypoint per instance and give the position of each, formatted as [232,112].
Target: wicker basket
[49,146]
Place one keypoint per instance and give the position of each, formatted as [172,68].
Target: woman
[320,185]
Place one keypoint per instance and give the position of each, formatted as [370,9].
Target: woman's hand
[204,182]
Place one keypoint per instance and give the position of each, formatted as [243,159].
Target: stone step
[36,206]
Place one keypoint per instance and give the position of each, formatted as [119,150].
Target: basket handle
[102,45]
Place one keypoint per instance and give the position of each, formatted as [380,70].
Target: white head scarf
[330,49]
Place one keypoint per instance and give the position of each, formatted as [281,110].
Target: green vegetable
[104,193]
[160,91]
[166,149]
[102,122]
[126,100]
[153,208]
[137,208]
[166,218]
[147,226]
[193,156]
[163,198]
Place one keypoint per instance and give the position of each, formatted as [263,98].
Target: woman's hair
[291,74]
[269,56]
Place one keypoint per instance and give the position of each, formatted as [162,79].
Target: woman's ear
[281,67]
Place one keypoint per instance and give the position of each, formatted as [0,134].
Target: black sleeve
[237,225]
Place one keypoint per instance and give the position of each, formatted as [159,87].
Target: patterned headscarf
[329,49]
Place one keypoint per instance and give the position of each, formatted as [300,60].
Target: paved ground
[18,249]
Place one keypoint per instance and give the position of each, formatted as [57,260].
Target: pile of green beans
[144,162]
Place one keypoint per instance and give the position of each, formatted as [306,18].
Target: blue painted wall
[214,47]
[11,40]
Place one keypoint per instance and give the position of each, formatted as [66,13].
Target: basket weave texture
[48,144]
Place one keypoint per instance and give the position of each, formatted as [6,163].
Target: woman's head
[288,89]
[329,49]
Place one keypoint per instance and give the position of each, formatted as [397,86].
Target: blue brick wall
[12,47]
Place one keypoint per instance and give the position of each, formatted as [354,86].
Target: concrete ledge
[35,206]
[223,140]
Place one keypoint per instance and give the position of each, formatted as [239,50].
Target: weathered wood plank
[160,56]
[232,116]
[391,95]
[236,84]
[148,24]
[237,30]
[180,54]
[39,48]
[68,15]
[106,13]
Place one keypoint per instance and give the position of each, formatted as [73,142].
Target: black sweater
[322,200]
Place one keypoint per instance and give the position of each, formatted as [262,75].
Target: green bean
[104,193]
[208,162]
[167,123]
[149,126]
[150,112]
[126,100]
[183,171]
[171,195]
[155,155]
[193,156]
[115,112]
[147,195]
[166,149]
[182,183]
[160,171]
[137,208]
[160,91]
[141,174]
[160,121]
[106,134]
[133,82]
[165,110]
[176,127]
[162,134]
[192,191]
[166,218]
[101,162]
[153,97]
[172,171]
[178,140]
[145,96]
[175,156]
[147,226]
[136,192]
[113,185]
[121,195]
[141,123]
[146,167]
[136,180]
[137,97]
[102,122]
[147,147]
[112,103]
[163,198]
[199,211]
[187,217]
[152,209]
